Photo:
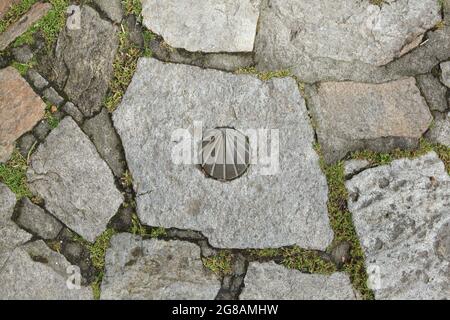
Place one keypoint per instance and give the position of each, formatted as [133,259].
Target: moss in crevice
[13,174]
[220,264]
[342,225]
[264,76]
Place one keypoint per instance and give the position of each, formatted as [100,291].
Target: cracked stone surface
[206,26]
[156,270]
[401,214]
[269,281]
[76,184]
[380,117]
[38,273]
[83,62]
[445,69]
[254,211]
[340,40]
[20,110]
[112,8]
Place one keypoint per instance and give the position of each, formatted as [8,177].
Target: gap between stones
[223,261]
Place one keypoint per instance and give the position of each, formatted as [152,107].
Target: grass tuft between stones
[264,76]
[220,264]
[13,174]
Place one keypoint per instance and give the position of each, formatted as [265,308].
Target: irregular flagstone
[254,211]
[381,117]
[101,132]
[440,131]
[434,92]
[340,40]
[445,68]
[11,235]
[207,26]
[35,219]
[76,184]
[15,30]
[20,109]
[83,62]
[401,214]
[112,8]
[35,272]
[156,270]
[269,281]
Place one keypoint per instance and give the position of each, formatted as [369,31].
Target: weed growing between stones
[52,121]
[220,264]
[342,225]
[126,59]
[13,174]
[377,159]
[15,13]
[265,76]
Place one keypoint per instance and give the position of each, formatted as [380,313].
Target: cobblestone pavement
[109,182]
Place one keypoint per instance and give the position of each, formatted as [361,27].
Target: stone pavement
[345,108]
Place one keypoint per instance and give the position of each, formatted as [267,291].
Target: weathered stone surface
[340,40]
[207,26]
[440,131]
[380,117]
[352,167]
[445,68]
[83,61]
[35,272]
[101,132]
[112,8]
[74,112]
[401,215]
[42,130]
[53,97]
[76,184]
[5,5]
[36,12]
[20,109]
[434,92]
[11,235]
[156,270]
[36,79]
[36,220]
[22,54]
[269,281]
[254,211]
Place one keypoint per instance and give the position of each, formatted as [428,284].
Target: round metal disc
[225,153]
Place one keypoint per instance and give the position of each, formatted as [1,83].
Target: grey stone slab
[255,211]
[207,26]
[434,92]
[76,184]
[440,131]
[156,270]
[445,69]
[36,79]
[112,8]
[401,214]
[83,61]
[269,281]
[352,167]
[343,40]
[102,133]
[355,116]
[11,236]
[35,219]
[34,272]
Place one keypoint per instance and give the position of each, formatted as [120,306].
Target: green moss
[50,25]
[220,264]
[342,224]
[136,227]
[96,286]
[132,7]
[265,75]
[98,248]
[158,233]
[15,12]
[13,174]
[386,158]
[296,258]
